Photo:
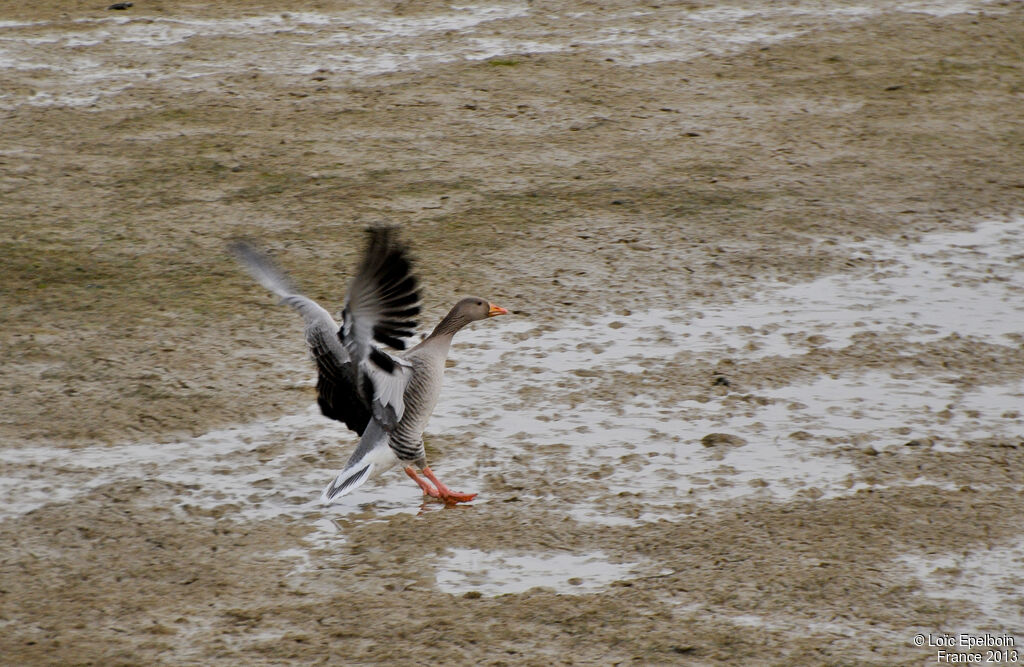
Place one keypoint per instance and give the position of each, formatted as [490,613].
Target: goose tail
[352,477]
[373,455]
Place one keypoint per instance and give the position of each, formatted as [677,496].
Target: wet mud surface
[760,399]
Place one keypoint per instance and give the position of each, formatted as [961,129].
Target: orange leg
[450,497]
[441,491]
[428,490]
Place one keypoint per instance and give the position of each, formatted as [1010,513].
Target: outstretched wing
[380,306]
[338,393]
[357,380]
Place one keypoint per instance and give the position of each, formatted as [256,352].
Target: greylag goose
[385,397]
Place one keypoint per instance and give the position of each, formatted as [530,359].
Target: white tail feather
[373,455]
[347,480]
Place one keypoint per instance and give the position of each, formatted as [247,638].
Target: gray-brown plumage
[385,397]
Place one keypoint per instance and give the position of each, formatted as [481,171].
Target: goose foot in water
[442,492]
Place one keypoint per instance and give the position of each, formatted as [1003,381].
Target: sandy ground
[617,174]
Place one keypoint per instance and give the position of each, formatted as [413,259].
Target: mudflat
[758,401]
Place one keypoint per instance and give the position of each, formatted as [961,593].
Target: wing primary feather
[402,329]
[390,341]
[382,300]
[392,323]
[404,313]
[382,360]
[401,293]
[384,296]
[262,269]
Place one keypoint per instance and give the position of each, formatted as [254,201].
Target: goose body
[386,397]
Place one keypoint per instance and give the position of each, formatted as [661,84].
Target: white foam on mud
[89,60]
[492,573]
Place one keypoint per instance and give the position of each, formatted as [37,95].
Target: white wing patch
[388,402]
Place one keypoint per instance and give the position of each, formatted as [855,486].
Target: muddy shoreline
[690,180]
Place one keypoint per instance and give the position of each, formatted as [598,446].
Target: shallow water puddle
[207,464]
[493,573]
[257,471]
[82,63]
[992,579]
[964,283]
[644,438]
[523,400]
[877,403]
